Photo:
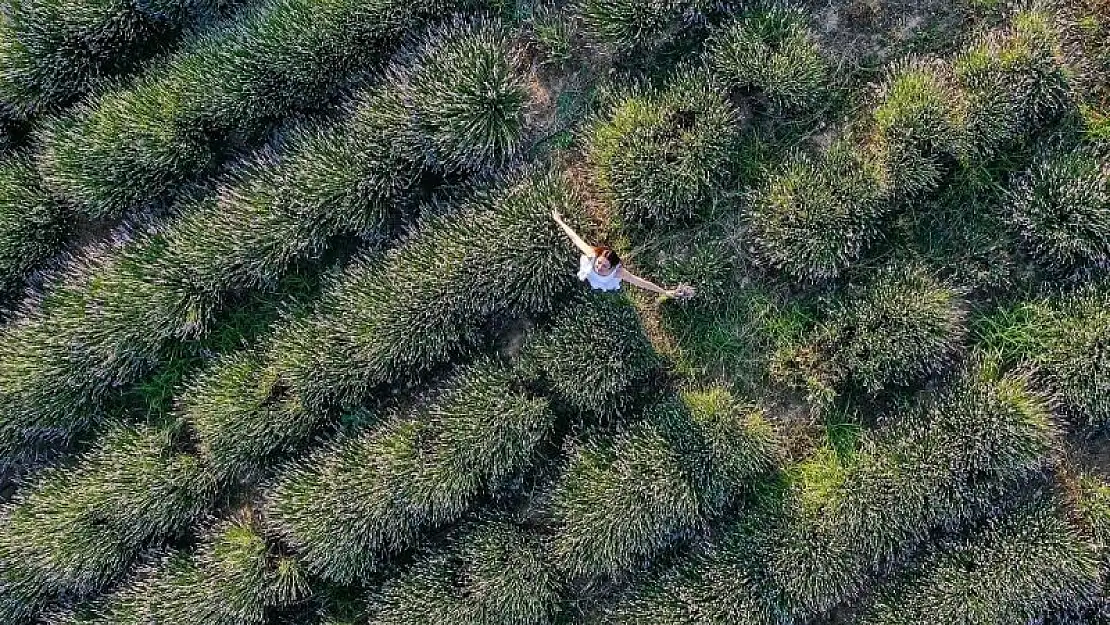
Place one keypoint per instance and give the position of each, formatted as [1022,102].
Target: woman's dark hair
[608,254]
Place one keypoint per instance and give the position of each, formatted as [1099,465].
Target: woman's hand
[682,291]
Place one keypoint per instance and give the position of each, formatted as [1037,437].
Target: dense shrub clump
[1021,568]
[1060,209]
[386,323]
[1093,508]
[659,480]
[132,146]
[600,337]
[278,209]
[629,26]
[772,52]
[898,328]
[350,507]
[818,214]
[236,577]
[60,364]
[469,99]
[490,573]
[32,225]
[812,543]
[1014,81]
[54,51]
[362,178]
[74,531]
[1070,356]
[662,156]
[920,125]
[241,411]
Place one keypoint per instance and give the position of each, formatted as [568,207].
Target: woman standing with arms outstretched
[601,267]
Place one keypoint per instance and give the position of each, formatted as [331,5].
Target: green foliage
[702,255]
[498,256]
[897,329]
[8,128]
[1093,507]
[944,463]
[129,147]
[469,99]
[1070,356]
[73,531]
[351,507]
[771,51]
[55,51]
[490,573]
[729,331]
[738,441]
[595,356]
[631,26]
[59,364]
[240,411]
[695,471]
[816,216]
[121,315]
[660,480]
[1062,339]
[1060,209]
[553,33]
[32,225]
[1014,81]
[389,322]
[1017,569]
[920,125]
[235,578]
[278,209]
[812,543]
[663,156]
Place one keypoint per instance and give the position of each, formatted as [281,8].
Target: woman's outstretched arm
[681,292]
[578,242]
[635,280]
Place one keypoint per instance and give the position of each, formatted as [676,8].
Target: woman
[601,267]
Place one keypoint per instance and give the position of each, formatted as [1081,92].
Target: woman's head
[605,260]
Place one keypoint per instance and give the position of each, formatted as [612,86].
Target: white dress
[586,273]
